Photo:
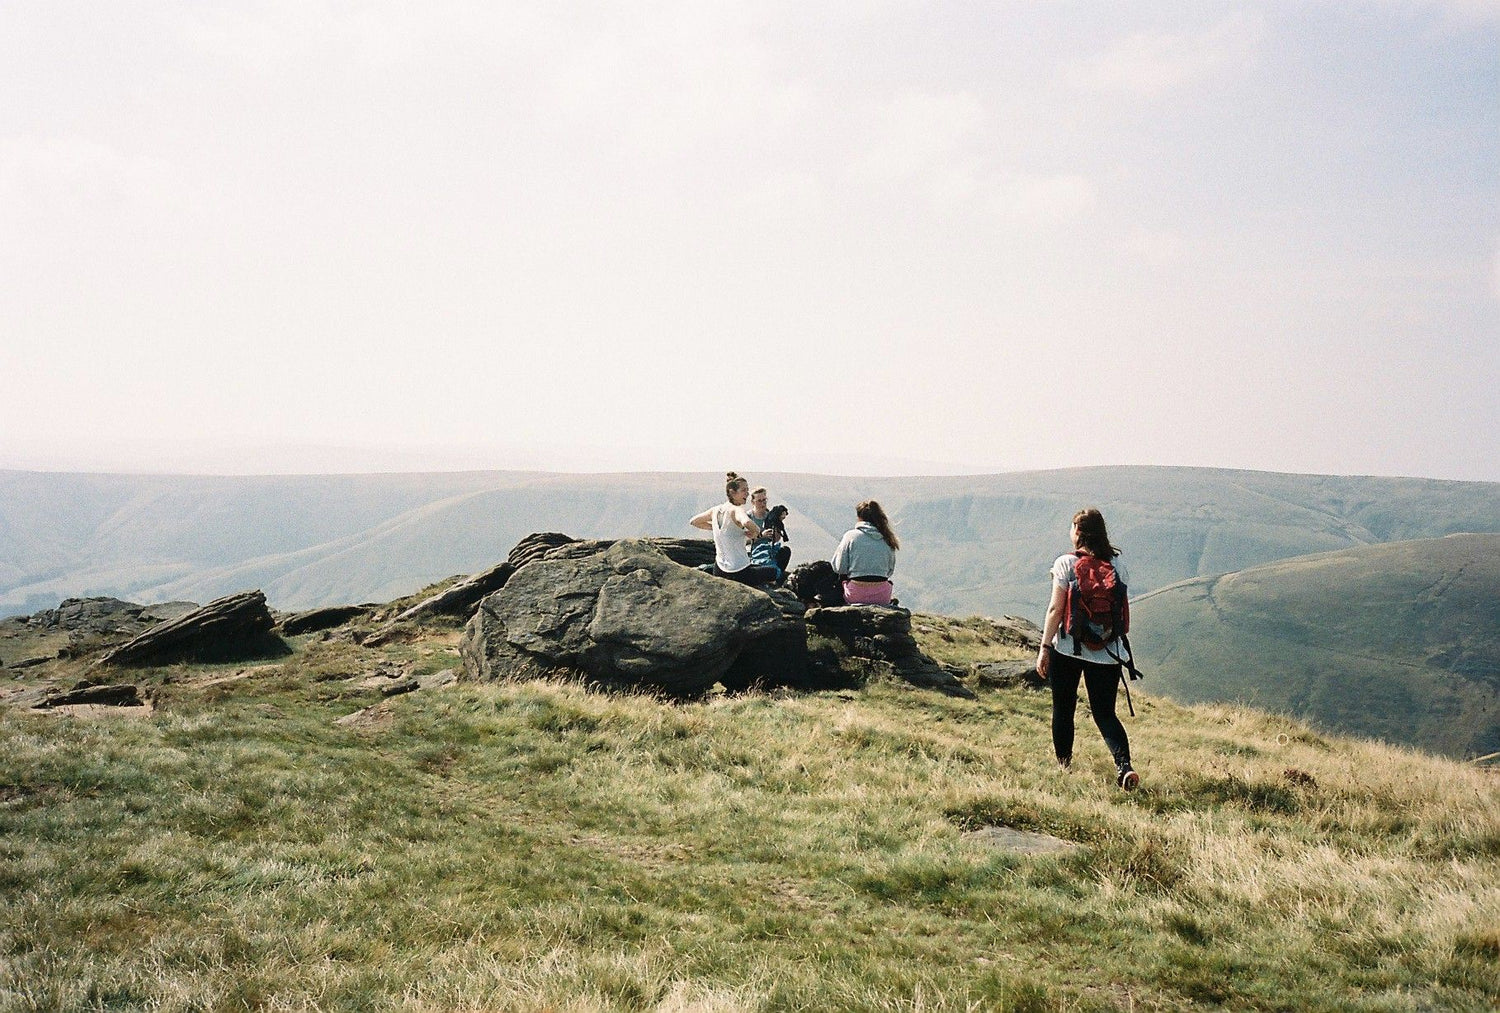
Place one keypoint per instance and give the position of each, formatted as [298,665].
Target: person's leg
[1103,683]
[783,558]
[1063,674]
[752,575]
[862,592]
[761,576]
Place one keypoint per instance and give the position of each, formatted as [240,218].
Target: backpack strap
[1074,605]
[1127,662]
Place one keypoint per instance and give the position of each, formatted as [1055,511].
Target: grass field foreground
[538,846]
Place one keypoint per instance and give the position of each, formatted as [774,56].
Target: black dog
[776,522]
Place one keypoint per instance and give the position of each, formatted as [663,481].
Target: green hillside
[1398,641]
[970,544]
[240,844]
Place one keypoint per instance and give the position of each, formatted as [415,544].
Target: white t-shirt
[730,552]
[1062,573]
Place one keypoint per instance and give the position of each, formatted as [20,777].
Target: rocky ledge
[627,614]
[232,628]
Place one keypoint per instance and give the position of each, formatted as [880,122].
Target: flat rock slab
[1021,841]
[124,695]
[325,618]
[232,628]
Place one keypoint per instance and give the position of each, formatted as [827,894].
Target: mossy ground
[538,846]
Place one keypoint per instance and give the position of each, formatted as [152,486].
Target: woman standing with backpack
[1086,622]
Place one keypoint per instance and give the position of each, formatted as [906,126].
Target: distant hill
[970,544]
[1399,641]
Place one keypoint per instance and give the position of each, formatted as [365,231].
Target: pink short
[859,592]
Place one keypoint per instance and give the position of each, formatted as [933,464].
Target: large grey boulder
[462,598]
[628,616]
[233,628]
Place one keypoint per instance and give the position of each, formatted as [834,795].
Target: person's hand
[1043,662]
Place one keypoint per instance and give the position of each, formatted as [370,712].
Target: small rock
[1007,673]
[438,680]
[1023,841]
[113,696]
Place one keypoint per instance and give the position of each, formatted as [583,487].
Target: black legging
[1103,683]
[755,576]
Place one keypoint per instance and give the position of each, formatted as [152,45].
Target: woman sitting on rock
[866,557]
[733,529]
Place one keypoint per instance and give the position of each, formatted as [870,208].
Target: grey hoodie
[864,553]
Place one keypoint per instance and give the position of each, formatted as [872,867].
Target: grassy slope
[540,847]
[1416,660]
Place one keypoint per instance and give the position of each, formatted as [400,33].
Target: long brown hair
[733,482]
[1093,535]
[869,511]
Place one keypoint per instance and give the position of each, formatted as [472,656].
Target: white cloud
[938,148]
[918,134]
[1055,198]
[1456,12]
[1153,64]
[1154,246]
[75,170]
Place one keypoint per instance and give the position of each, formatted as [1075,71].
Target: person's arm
[741,518]
[705,520]
[1050,628]
[840,559]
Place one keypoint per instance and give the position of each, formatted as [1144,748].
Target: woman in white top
[733,529]
[1062,659]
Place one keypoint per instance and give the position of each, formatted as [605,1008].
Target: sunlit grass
[538,847]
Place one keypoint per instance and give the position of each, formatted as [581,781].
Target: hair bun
[730,476]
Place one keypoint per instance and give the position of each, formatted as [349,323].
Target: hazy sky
[849,237]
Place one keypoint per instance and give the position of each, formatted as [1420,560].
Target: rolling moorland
[977,544]
[1398,641]
[971,545]
[286,835]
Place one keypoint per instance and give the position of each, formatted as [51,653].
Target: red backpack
[1096,613]
[1096,610]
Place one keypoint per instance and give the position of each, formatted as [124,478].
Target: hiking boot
[1128,779]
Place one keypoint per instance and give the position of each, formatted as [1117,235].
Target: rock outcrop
[624,614]
[232,628]
[325,618]
[463,597]
[104,618]
[882,634]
